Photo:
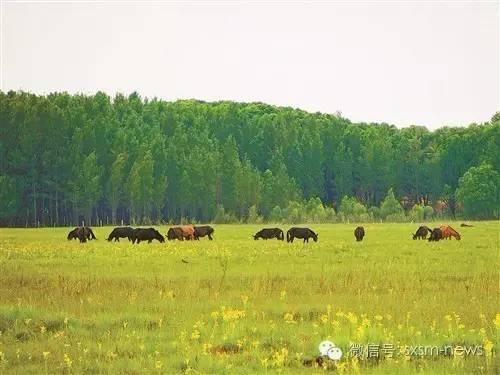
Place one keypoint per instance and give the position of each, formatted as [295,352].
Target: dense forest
[67,158]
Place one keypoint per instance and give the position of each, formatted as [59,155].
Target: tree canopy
[67,158]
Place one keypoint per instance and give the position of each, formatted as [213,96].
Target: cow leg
[149,241]
[210,237]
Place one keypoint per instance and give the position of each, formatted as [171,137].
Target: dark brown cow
[359,233]
[436,235]
[304,233]
[202,231]
[82,233]
[146,234]
[421,232]
[268,233]
[121,232]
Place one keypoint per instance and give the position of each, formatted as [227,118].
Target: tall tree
[479,191]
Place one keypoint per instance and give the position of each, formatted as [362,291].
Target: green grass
[245,306]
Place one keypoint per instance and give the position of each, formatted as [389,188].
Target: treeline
[67,158]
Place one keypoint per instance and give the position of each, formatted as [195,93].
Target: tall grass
[235,305]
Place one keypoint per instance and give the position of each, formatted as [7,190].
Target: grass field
[245,306]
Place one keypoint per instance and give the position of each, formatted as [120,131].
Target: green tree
[390,207]
[276,215]
[116,184]
[229,167]
[351,209]
[417,213]
[89,183]
[156,160]
[479,191]
[248,188]
[253,215]
[9,198]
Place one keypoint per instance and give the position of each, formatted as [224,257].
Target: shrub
[294,213]
[253,215]
[276,215]
[390,206]
[417,213]
[428,212]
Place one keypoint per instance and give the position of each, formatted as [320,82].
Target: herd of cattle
[192,232]
[436,234]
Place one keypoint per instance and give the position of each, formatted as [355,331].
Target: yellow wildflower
[283,295]
[488,347]
[289,319]
[497,320]
[324,318]
[195,335]
[67,360]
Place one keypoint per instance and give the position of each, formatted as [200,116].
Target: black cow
[436,235]
[304,233]
[146,234]
[121,232]
[82,233]
[73,234]
[359,233]
[202,231]
[421,232]
[268,233]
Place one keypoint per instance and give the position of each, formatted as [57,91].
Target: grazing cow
[82,233]
[202,231]
[174,233]
[449,232]
[181,232]
[146,234]
[73,234]
[466,225]
[436,235]
[121,232]
[421,232]
[268,233]
[359,233]
[304,233]
[89,233]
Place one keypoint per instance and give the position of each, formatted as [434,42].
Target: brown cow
[181,232]
[449,232]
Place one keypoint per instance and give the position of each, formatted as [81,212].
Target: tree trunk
[34,204]
[57,208]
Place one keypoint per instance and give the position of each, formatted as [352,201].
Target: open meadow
[235,305]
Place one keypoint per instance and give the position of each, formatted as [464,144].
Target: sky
[401,62]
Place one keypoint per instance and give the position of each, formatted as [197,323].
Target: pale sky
[424,63]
